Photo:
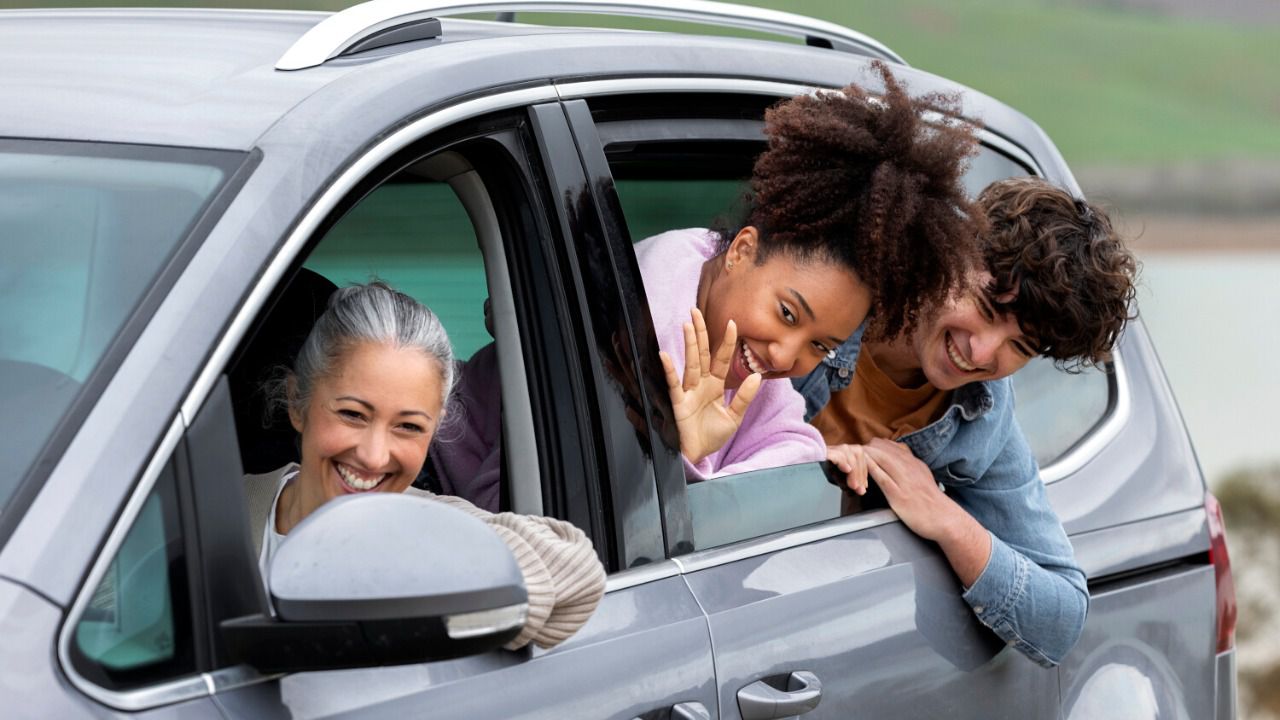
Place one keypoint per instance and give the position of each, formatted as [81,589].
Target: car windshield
[85,231]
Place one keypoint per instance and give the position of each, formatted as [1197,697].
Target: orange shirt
[875,406]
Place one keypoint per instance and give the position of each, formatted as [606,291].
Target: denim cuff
[994,597]
[1002,582]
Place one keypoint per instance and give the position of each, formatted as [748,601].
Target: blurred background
[1168,111]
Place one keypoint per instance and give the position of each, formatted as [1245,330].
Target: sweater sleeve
[563,576]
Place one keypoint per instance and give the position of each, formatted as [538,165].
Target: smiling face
[368,424]
[789,314]
[968,340]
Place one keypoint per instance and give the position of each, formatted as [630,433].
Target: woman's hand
[852,461]
[704,420]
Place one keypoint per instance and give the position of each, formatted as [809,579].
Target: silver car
[180,188]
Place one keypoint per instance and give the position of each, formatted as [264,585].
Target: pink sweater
[774,432]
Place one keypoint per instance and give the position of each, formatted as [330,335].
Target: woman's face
[789,314]
[369,423]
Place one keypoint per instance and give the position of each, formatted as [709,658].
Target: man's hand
[852,461]
[914,495]
[704,420]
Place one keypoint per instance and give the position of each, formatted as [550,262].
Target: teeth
[749,358]
[955,357]
[355,481]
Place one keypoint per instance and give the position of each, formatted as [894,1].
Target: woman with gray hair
[367,392]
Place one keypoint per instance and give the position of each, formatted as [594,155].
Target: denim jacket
[1032,593]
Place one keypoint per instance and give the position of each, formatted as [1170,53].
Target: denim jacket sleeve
[1032,593]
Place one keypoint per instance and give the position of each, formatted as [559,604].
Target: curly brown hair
[1070,276]
[866,182]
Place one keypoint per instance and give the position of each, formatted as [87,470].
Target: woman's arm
[562,574]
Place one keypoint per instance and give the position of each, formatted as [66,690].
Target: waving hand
[703,418]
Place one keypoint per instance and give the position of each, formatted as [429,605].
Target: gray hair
[369,313]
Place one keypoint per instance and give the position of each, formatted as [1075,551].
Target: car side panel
[645,649]
[31,685]
[878,617]
[1149,470]
[1147,650]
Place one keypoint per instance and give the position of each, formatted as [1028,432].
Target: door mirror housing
[383,579]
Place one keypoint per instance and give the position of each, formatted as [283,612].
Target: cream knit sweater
[562,574]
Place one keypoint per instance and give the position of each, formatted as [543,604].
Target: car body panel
[1134,663]
[645,648]
[27,621]
[1148,470]
[878,617]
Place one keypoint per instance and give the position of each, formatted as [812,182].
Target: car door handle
[762,701]
[687,711]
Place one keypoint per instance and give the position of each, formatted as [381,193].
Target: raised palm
[704,419]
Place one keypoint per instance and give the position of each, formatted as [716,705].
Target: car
[179,190]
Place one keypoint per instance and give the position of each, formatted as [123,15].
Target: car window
[86,229]
[1057,409]
[754,504]
[136,628]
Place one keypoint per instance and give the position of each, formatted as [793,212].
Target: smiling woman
[366,394]
[857,212]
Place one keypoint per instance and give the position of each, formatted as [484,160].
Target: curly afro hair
[869,183]
[1070,276]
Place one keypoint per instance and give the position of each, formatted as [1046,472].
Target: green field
[1109,85]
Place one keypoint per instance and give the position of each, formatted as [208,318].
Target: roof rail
[383,22]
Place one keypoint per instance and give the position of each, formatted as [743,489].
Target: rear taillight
[1226,588]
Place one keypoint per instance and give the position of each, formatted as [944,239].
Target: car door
[513,176]
[810,613]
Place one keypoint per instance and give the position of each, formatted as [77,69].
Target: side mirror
[383,579]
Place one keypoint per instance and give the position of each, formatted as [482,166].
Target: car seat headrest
[267,440]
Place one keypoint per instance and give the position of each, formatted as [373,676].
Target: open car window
[688,174]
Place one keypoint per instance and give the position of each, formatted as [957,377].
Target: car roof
[194,77]
[207,78]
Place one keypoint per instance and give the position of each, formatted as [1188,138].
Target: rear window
[85,230]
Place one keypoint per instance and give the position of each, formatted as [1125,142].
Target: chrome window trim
[1101,434]
[632,577]
[711,557]
[328,200]
[348,28]
[165,693]
[236,676]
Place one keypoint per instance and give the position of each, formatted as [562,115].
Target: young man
[1057,282]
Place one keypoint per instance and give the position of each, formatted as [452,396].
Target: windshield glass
[85,229]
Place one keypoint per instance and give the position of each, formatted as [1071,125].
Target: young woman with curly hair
[1055,281]
[856,211]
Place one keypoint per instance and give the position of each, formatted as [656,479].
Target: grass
[1109,85]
